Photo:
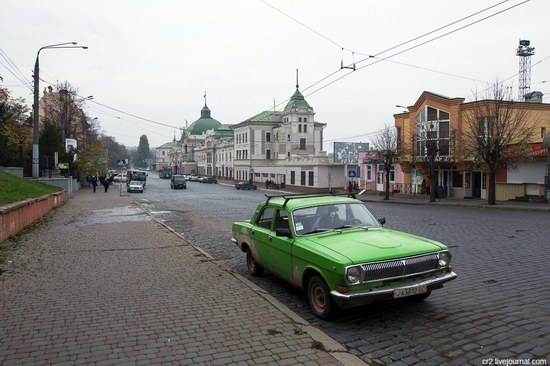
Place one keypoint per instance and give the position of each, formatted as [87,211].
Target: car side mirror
[283,232]
[382,221]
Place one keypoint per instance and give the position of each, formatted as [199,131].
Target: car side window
[266,217]
[281,220]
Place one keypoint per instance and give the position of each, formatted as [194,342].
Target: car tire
[253,267]
[254,188]
[320,300]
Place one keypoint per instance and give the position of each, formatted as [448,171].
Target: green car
[334,248]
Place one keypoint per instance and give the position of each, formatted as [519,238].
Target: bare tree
[497,131]
[386,146]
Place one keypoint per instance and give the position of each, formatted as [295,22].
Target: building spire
[205,98]
[297,85]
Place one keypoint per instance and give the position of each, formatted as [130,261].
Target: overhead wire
[416,46]
[391,48]
[15,68]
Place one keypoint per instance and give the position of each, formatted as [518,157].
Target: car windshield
[179,179]
[332,217]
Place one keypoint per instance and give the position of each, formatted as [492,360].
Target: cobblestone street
[497,308]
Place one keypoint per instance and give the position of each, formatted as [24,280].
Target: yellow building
[436,120]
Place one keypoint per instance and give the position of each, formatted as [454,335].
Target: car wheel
[254,188]
[253,267]
[319,298]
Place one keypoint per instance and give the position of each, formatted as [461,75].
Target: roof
[297,100]
[167,145]
[300,202]
[205,123]
[264,116]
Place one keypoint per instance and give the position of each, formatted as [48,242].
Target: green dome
[203,124]
[296,101]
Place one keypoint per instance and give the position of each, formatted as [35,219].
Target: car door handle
[269,237]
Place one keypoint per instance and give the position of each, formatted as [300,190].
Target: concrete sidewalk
[99,281]
[459,202]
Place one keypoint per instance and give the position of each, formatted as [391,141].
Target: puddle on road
[116,215]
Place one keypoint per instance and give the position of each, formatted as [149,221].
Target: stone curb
[335,349]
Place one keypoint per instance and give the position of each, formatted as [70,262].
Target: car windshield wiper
[321,230]
[352,226]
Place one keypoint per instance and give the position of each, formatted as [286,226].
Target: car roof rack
[292,196]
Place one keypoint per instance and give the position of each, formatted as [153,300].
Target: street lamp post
[36,109]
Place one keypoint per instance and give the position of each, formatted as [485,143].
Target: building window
[288,137]
[432,128]
[300,119]
[303,178]
[310,180]
[268,154]
[302,144]
[300,127]
[305,119]
[288,154]
[292,177]
[369,173]
[305,128]
[392,174]
[542,132]
[268,137]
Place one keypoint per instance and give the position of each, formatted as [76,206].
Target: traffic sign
[120,162]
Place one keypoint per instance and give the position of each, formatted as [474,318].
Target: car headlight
[444,259]
[353,274]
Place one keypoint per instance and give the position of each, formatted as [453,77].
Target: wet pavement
[100,282]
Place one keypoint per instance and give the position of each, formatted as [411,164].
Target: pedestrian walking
[106,184]
[93,180]
[350,187]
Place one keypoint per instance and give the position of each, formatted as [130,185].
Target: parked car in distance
[178,181]
[193,178]
[245,185]
[135,186]
[210,180]
[334,249]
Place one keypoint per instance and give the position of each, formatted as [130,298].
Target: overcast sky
[155,59]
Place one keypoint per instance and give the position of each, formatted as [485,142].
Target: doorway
[476,184]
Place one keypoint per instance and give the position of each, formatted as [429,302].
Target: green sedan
[333,248]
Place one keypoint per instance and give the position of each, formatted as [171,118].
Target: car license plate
[409,291]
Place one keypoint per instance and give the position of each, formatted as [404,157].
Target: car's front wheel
[319,298]
[253,267]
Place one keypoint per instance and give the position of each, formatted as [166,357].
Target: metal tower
[524,52]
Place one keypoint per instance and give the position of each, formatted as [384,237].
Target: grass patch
[318,346]
[15,189]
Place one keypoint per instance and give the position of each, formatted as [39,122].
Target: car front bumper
[347,300]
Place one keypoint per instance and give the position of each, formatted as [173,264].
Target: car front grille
[399,267]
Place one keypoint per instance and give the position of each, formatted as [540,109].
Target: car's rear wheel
[253,267]
[319,298]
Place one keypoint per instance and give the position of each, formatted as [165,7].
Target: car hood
[374,244]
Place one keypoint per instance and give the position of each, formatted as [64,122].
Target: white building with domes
[284,147]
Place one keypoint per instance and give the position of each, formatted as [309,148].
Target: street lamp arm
[57,44]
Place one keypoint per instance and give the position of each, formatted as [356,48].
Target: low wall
[17,216]
[17,171]
[68,184]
